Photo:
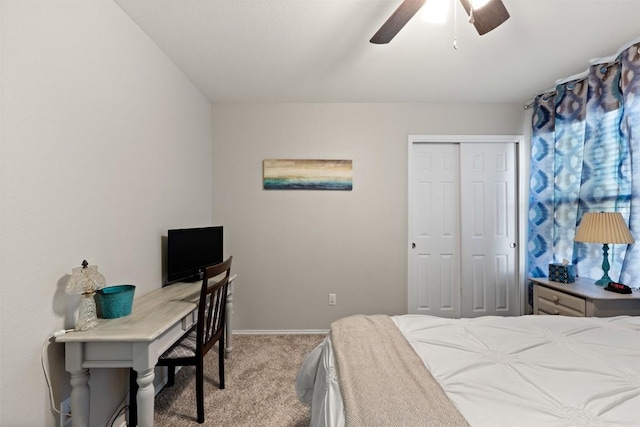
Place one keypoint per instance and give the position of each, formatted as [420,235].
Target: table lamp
[605,228]
[85,281]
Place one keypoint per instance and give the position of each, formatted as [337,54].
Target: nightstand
[581,299]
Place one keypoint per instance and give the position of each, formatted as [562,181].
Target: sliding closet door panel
[434,261]
[488,180]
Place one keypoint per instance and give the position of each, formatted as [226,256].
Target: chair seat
[184,348]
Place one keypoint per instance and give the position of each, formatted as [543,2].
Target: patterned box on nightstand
[563,273]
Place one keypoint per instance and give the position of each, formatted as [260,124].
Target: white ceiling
[319,50]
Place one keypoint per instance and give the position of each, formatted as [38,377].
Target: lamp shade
[603,227]
[85,279]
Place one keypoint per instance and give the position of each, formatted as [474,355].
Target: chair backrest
[212,306]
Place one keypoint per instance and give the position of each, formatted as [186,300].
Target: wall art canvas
[307,174]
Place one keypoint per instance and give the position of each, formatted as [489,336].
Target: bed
[489,371]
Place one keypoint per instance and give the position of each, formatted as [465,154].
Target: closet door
[434,259]
[488,229]
[462,229]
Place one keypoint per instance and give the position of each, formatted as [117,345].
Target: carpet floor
[259,386]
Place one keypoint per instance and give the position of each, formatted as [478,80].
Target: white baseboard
[281,332]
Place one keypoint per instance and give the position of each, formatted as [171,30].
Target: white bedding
[510,371]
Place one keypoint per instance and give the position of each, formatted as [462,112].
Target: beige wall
[293,248]
[104,146]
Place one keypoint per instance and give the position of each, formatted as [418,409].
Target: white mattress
[510,371]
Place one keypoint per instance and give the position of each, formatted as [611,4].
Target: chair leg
[133,402]
[221,361]
[171,375]
[200,390]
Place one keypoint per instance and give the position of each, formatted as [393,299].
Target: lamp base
[87,316]
[604,280]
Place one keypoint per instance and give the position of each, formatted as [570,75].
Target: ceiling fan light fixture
[477,4]
[435,11]
[486,18]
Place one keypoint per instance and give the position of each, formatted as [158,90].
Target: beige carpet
[259,381]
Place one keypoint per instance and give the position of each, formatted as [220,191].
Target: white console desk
[157,320]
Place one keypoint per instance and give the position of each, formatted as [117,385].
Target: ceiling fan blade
[396,21]
[488,17]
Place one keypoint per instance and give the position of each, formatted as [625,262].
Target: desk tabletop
[150,316]
[585,287]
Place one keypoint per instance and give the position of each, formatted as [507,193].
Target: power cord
[114,417]
[123,407]
[45,367]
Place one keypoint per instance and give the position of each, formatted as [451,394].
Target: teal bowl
[115,301]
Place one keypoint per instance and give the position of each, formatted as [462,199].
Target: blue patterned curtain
[585,143]
[630,125]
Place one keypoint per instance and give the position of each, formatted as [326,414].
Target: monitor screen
[190,249]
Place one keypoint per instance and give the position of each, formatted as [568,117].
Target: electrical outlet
[65,409]
[332,299]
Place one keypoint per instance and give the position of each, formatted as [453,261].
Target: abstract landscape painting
[307,174]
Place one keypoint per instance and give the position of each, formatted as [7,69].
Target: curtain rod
[548,92]
[605,61]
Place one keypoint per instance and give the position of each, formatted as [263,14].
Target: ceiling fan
[484,18]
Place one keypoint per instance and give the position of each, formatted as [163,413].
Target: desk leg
[228,316]
[80,397]
[145,397]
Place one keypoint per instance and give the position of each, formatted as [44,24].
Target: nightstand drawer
[554,302]
[547,307]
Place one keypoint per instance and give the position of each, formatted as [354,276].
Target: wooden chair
[191,349]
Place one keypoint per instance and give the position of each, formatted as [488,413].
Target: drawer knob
[555,298]
[556,312]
